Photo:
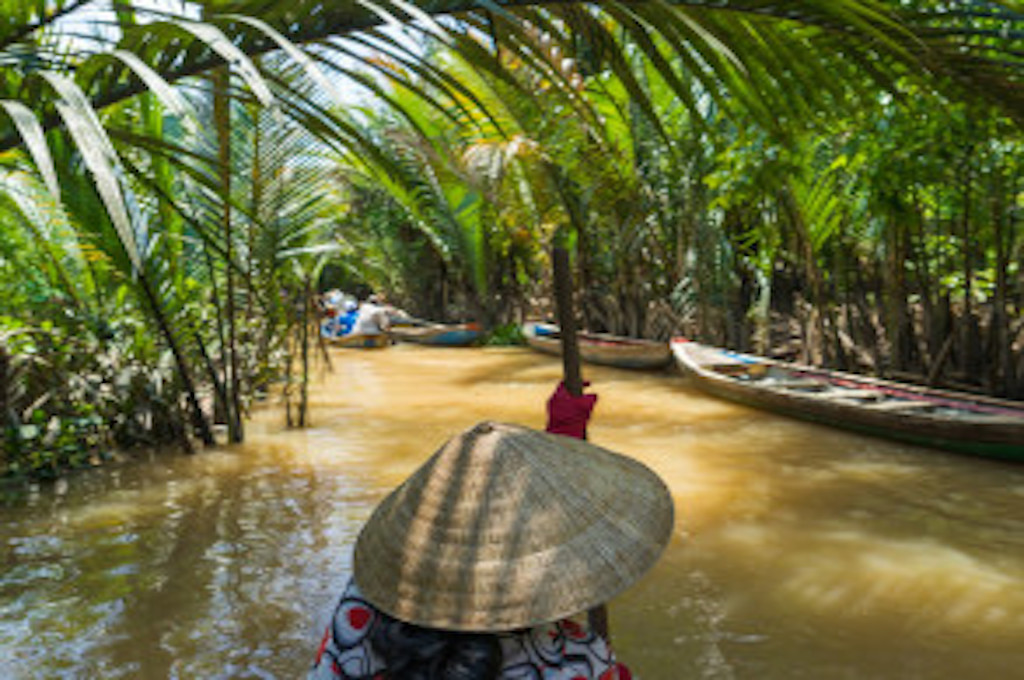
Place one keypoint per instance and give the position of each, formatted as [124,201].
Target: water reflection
[799,552]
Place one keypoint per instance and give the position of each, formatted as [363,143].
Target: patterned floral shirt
[564,650]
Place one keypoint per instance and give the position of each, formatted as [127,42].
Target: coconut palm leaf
[402,57]
[886,31]
[35,140]
[171,98]
[21,209]
[100,157]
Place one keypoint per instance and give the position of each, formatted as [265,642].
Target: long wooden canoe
[955,421]
[360,341]
[447,335]
[601,348]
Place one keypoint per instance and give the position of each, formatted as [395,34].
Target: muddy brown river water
[799,551]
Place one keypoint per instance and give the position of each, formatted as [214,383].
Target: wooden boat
[360,341]
[601,348]
[446,335]
[955,421]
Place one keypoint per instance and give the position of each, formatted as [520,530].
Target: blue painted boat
[445,335]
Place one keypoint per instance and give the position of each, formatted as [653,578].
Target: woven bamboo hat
[505,527]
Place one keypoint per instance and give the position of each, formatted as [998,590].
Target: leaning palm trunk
[219,391]
[199,421]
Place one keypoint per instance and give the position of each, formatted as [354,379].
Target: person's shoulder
[354,619]
[557,649]
[346,651]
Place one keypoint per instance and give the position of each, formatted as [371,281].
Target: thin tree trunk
[1017,301]
[935,370]
[199,421]
[304,396]
[816,322]
[839,359]
[5,390]
[211,369]
[256,216]
[970,356]
[867,334]
[289,371]
[898,323]
[222,122]
[220,414]
[1003,371]
[928,344]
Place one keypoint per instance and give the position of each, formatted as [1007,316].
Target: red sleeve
[569,415]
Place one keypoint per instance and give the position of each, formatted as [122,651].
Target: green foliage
[46,446]
[709,163]
[506,334]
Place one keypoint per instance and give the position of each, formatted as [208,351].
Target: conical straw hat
[506,527]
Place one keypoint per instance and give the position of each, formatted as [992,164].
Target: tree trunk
[897,315]
[970,358]
[220,405]
[220,398]
[1003,373]
[199,422]
[929,343]
[815,336]
[256,216]
[289,371]
[222,122]
[304,395]
[5,390]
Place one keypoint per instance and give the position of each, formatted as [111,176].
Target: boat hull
[942,419]
[601,348]
[439,335]
[361,341]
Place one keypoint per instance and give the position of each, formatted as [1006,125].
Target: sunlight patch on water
[918,585]
[875,470]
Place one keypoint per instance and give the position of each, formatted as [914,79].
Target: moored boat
[361,341]
[446,335]
[955,421]
[601,348]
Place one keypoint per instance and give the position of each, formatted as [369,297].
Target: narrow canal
[799,551]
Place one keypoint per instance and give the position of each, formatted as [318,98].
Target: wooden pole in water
[567,324]
[573,378]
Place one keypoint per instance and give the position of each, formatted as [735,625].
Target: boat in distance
[601,348]
[438,334]
[361,341]
[944,419]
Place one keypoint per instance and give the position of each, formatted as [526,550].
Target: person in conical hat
[471,568]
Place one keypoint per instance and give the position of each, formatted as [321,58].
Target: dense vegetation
[839,182]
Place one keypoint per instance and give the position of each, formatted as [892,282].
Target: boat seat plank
[902,405]
[796,383]
[732,368]
[852,394]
